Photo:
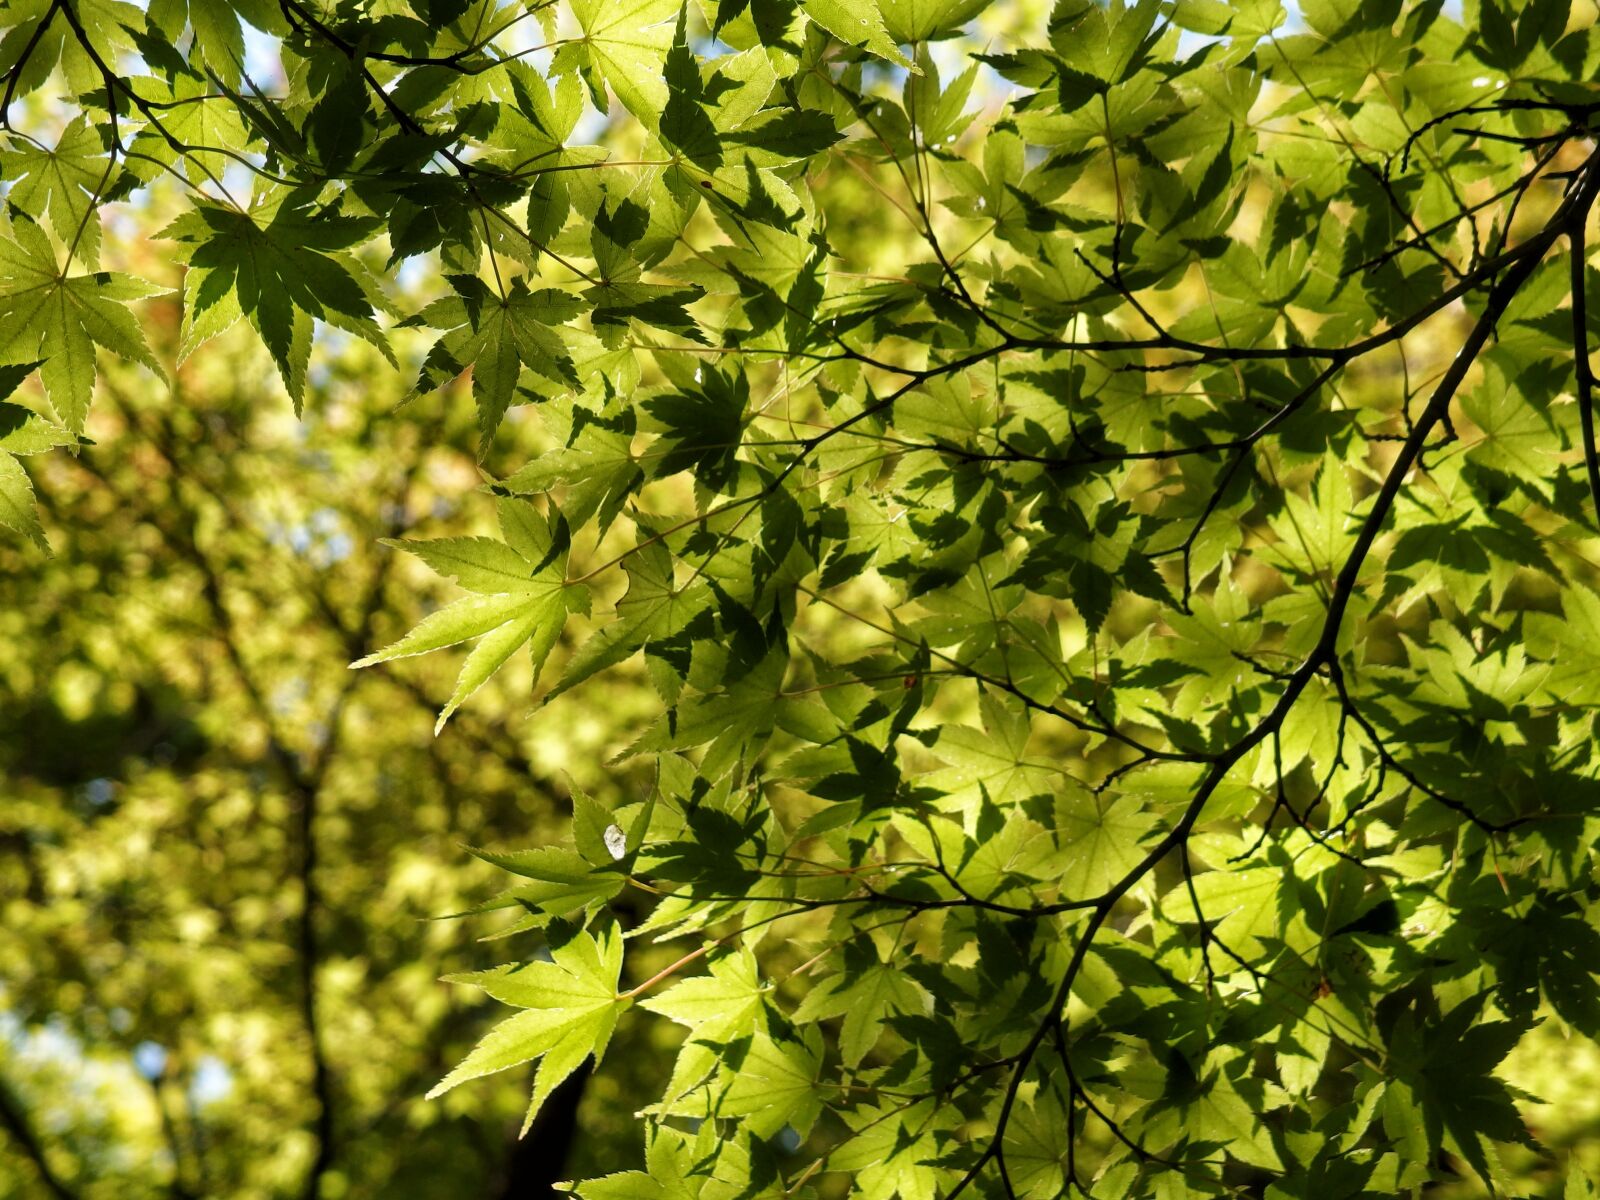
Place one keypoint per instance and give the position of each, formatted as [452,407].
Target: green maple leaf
[1517,437]
[563,882]
[22,432]
[992,760]
[1101,839]
[520,596]
[892,1150]
[1015,854]
[597,472]
[689,1166]
[277,266]
[570,1007]
[702,427]
[1222,1116]
[59,319]
[865,994]
[218,38]
[62,182]
[626,43]
[925,20]
[720,1008]
[197,117]
[497,336]
[722,1004]
[654,609]
[773,1084]
[1036,1146]
[1241,905]
[856,23]
[1445,1088]
[1315,531]
[733,720]
[17,510]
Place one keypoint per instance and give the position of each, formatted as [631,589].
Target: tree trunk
[538,1160]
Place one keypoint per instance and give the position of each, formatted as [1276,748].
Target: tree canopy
[1104,499]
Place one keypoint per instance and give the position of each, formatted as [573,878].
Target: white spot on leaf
[616,841]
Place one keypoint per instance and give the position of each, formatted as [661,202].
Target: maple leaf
[277,265]
[497,336]
[520,596]
[58,319]
[62,182]
[570,1007]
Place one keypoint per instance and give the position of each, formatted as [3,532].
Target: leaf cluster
[1123,645]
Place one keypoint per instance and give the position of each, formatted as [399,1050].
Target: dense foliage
[1125,652]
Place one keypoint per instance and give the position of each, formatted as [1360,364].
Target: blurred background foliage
[222,853]
[188,762]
